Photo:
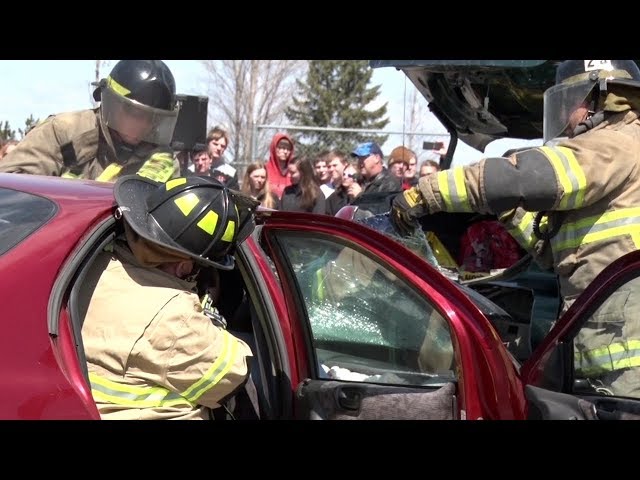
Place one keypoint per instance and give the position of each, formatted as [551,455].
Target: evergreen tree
[6,133]
[336,95]
[29,123]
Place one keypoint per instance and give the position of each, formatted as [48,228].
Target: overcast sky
[44,87]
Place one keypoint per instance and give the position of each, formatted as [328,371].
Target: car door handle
[349,398]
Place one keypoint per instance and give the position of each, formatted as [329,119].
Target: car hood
[479,101]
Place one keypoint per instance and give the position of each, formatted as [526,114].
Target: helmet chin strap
[593,119]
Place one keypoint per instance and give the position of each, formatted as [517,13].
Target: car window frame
[300,305]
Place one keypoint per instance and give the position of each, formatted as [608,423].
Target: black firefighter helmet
[577,81]
[138,101]
[195,216]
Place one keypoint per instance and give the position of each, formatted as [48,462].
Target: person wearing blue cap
[379,185]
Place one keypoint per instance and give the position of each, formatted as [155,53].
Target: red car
[345,322]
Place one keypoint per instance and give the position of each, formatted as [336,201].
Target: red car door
[575,374]
[379,333]
[42,377]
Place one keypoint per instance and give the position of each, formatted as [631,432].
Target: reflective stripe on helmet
[175,183]
[625,221]
[569,174]
[453,190]
[187,203]
[616,356]
[208,222]
[230,231]
[116,87]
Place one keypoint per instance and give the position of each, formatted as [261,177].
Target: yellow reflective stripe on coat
[616,356]
[70,175]
[523,231]
[105,390]
[217,371]
[453,190]
[318,288]
[159,167]
[570,175]
[110,173]
[625,221]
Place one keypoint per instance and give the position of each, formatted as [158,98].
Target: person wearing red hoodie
[280,154]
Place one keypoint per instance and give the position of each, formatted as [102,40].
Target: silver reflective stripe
[453,190]
[616,356]
[523,232]
[217,371]
[570,174]
[105,390]
[598,227]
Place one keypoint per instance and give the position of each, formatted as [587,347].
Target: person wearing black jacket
[346,192]
[379,185]
[304,194]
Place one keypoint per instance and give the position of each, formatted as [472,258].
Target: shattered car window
[367,323]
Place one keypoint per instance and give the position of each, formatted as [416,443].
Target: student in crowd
[428,167]
[401,161]
[323,176]
[304,194]
[346,191]
[336,163]
[280,154]
[256,184]
[217,143]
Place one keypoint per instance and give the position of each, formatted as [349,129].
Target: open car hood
[479,101]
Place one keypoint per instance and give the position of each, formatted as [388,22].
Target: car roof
[61,189]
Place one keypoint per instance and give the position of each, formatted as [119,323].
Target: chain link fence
[312,141]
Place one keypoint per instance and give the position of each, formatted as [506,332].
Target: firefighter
[151,350]
[128,133]
[572,203]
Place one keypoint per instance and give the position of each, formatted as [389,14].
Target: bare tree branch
[415,122]
[245,93]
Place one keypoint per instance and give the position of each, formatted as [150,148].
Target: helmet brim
[130,192]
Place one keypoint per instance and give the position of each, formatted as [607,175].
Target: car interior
[522,300]
[268,394]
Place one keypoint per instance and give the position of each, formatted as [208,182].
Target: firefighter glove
[406,208]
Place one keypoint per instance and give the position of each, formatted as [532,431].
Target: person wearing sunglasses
[346,192]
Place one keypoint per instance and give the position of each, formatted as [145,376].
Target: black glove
[406,208]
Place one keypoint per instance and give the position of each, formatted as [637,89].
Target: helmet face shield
[560,102]
[135,122]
